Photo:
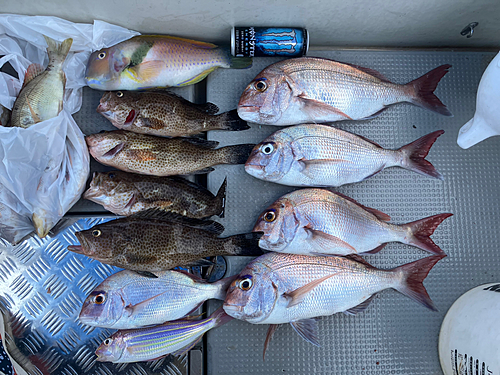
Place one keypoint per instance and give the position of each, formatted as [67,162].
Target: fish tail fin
[240,62]
[220,317]
[222,286]
[422,229]
[246,244]
[231,121]
[220,199]
[237,154]
[414,155]
[57,51]
[424,87]
[413,275]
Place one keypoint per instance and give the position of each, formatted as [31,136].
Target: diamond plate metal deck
[43,286]
[394,335]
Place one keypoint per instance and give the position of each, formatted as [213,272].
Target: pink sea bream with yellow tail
[155,61]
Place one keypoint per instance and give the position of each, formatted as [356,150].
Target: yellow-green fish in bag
[155,61]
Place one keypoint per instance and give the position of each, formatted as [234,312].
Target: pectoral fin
[328,242]
[297,296]
[134,309]
[307,329]
[33,113]
[320,109]
[311,168]
[146,71]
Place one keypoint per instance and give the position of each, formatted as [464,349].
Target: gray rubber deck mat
[395,335]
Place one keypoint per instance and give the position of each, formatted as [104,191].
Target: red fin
[413,276]
[315,105]
[424,87]
[379,214]
[32,71]
[422,230]
[297,296]
[376,250]
[269,336]
[415,153]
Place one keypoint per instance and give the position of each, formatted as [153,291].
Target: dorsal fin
[156,214]
[369,140]
[379,214]
[193,42]
[33,71]
[369,71]
[359,259]
[201,142]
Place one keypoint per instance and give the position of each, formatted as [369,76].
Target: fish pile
[314,235]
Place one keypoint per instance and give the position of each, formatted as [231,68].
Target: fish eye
[111,175]
[246,284]
[260,86]
[267,148]
[96,232]
[270,216]
[100,299]
[107,341]
[101,55]
[119,94]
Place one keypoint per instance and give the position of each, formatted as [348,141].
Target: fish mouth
[76,249]
[256,170]
[233,310]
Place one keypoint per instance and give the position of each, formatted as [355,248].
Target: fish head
[119,107]
[279,225]
[96,242]
[106,145]
[105,66]
[102,308]
[266,98]
[110,189]
[111,349]
[252,295]
[270,160]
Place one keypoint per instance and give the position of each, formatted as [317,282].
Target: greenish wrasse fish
[285,288]
[128,300]
[41,97]
[156,61]
[147,344]
[321,155]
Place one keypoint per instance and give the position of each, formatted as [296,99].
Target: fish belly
[353,96]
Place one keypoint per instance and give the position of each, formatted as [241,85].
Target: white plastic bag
[44,168]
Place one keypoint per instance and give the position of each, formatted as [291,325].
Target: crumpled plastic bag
[43,169]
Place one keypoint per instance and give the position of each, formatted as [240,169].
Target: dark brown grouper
[147,154]
[152,241]
[165,114]
[125,194]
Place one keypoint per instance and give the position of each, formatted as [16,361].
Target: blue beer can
[269,41]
